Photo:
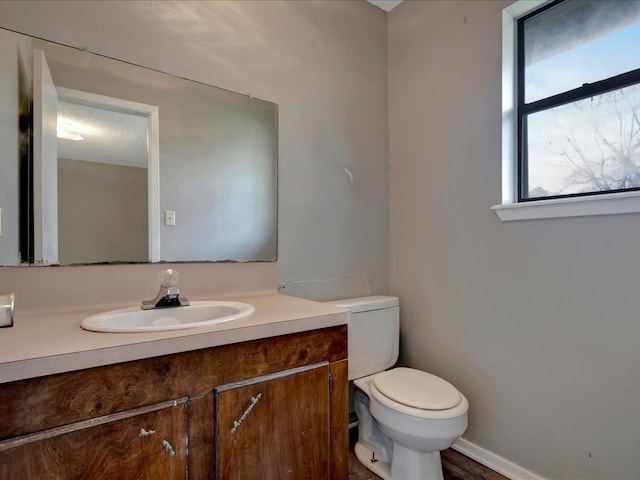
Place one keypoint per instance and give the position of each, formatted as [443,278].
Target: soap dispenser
[7,301]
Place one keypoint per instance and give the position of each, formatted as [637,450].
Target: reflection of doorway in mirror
[45,163]
[108,205]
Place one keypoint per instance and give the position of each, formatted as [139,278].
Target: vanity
[263,397]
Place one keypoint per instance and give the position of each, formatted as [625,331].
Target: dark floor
[455,466]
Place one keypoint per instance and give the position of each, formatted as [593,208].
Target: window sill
[606,204]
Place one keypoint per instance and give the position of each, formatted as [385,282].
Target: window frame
[525,109]
[514,111]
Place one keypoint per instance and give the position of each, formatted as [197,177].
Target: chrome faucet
[169,293]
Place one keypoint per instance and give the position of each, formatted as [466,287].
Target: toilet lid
[417,389]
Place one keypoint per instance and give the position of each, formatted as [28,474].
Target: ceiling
[105,136]
[386,5]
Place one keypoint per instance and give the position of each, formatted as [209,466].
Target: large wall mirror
[103,161]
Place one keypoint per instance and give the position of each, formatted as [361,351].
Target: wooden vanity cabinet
[267,426]
[271,408]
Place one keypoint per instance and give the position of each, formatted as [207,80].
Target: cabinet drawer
[145,443]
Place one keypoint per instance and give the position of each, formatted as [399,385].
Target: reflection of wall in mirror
[217,166]
[102,212]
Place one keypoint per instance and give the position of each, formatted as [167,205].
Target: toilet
[405,416]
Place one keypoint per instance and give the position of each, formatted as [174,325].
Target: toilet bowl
[416,434]
[405,416]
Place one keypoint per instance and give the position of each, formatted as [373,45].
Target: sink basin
[198,314]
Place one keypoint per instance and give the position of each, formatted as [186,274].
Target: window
[571,98]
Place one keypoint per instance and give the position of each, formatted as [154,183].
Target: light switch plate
[170,218]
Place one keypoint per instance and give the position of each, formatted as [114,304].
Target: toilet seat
[417,393]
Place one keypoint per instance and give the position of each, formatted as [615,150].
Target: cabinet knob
[146,433]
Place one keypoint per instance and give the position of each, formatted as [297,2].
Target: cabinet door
[274,427]
[146,443]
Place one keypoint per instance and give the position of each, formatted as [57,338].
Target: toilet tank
[373,334]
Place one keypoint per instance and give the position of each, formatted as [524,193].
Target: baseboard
[493,461]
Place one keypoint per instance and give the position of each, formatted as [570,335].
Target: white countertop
[43,344]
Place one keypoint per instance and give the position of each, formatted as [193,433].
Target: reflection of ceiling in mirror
[107,136]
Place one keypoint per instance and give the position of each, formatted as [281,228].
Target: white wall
[537,321]
[324,63]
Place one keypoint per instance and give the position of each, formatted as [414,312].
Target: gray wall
[535,321]
[102,212]
[324,63]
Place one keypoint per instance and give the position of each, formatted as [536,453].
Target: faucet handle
[169,278]
[169,293]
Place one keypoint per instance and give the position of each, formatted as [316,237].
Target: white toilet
[405,416]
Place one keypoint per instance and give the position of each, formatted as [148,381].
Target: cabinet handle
[254,400]
[167,446]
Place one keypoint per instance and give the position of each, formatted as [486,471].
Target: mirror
[128,164]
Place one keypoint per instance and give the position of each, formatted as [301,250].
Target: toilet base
[364,454]
[406,465]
